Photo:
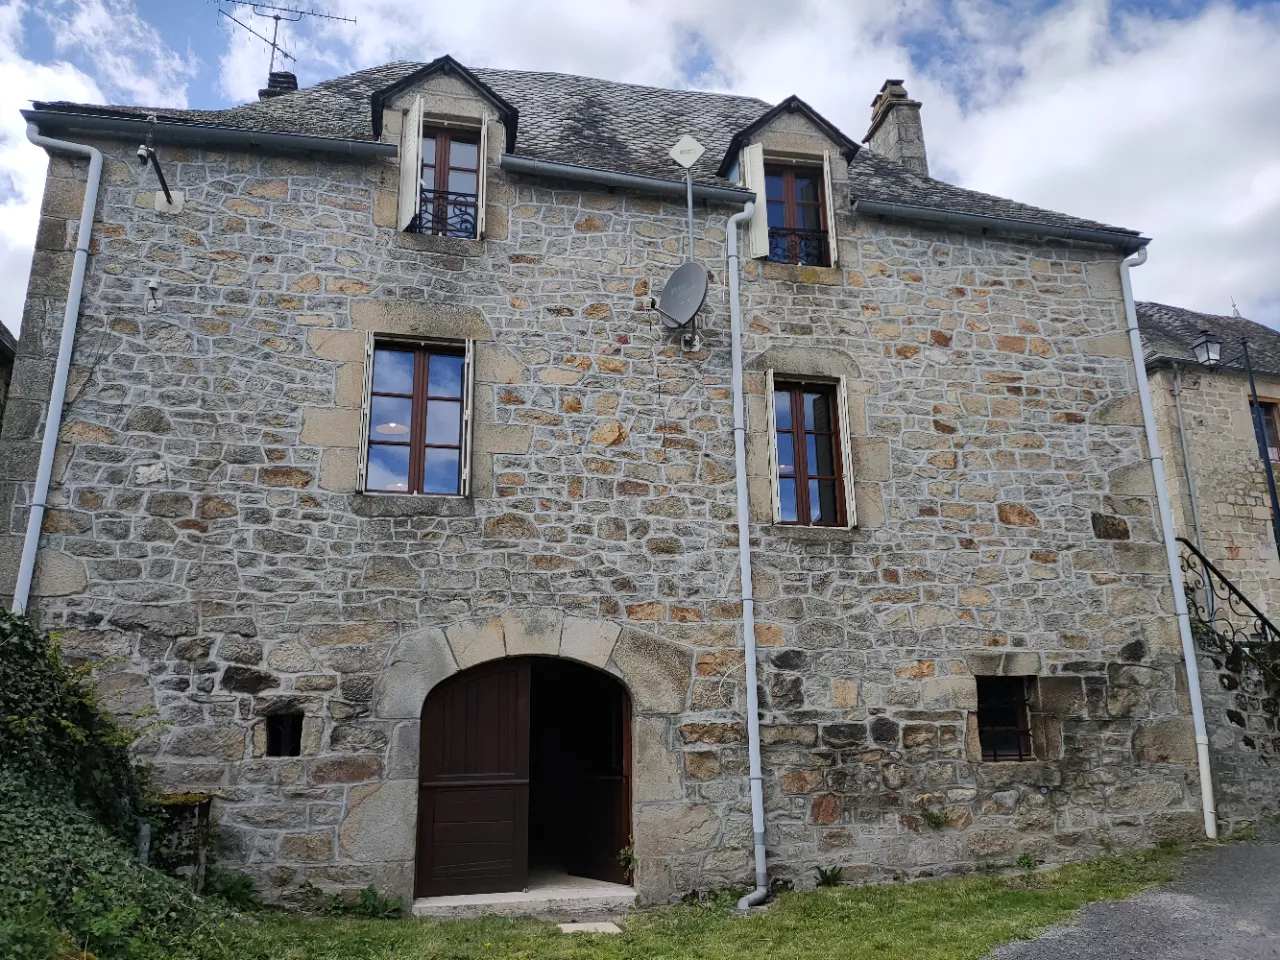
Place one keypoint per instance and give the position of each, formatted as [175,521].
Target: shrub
[368,904]
[55,737]
[829,876]
[71,884]
[58,862]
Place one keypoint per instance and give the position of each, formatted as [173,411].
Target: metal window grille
[284,735]
[1004,718]
[805,247]
[446,214]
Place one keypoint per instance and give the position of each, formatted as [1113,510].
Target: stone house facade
[1218,490]
[211,524]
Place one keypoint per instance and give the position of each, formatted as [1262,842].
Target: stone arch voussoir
[656,672]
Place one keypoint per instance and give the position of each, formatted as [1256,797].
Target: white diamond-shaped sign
[687,151]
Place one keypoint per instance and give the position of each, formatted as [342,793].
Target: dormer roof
[445,66]
[793,104]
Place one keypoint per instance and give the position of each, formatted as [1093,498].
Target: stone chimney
[279,82]
[896,131]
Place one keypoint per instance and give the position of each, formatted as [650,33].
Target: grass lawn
[931,920]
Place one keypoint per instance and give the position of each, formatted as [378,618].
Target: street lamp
[1208,351]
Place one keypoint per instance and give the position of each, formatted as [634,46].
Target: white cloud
[23,165]
[131,60]
[1170,125]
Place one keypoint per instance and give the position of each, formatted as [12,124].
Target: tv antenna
[278,14]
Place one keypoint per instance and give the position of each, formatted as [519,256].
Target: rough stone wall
[1235,524]
[202,526]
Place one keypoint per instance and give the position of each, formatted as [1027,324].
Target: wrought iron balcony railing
[1223,620]
[805,247]
[446,214]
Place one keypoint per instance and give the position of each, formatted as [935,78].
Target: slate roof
[596,123]
[1168,332]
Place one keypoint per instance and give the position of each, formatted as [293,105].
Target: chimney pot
[896,131]
[278,82]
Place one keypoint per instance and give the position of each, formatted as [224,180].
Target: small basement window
[284,735]
[1004,718]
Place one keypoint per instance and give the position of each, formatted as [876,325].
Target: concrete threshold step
[560,899]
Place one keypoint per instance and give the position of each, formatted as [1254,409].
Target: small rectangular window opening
[1271,426]
[416,404]
[284,735]
[1004,718]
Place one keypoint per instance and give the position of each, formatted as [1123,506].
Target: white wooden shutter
[829,201]
[846,455]
[362,461]
[480,191]
[410,165]
[753,179]
[468,415]
[772,429]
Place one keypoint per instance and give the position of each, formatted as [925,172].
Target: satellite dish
[683,295]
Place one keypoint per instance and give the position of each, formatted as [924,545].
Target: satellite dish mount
[686,291]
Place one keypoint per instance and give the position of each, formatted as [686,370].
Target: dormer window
[797,215]
[442,175]
[450,185]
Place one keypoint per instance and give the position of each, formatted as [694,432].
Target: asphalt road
[1227,907]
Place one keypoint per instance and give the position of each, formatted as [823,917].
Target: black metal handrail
[805,247]
[1227,622]
[1211,582]
[446,213]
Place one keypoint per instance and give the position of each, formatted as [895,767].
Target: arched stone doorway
[525,770]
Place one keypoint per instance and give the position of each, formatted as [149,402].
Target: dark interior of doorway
[579,791]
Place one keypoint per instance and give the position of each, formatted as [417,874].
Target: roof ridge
[621,83]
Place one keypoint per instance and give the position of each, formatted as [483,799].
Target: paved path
[1227,907]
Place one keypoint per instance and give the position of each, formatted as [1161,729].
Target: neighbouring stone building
[8,350]
[1218,490]
[965,619]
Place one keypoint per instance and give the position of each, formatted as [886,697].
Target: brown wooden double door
[503,737]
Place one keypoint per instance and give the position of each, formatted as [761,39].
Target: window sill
[400,505]
[816,534]
[434,243]
[796,273]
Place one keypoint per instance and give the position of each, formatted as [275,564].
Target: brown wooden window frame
[1004,707]
[791,238]
[439,222]
[420,400]
[1271,415]
[796,389]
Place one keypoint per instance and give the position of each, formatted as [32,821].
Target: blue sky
[1160,116]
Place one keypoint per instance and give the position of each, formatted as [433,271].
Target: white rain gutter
[761,891]
[53,418]
[1207,803]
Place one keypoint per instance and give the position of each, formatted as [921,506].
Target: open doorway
[579,796]
[525,770]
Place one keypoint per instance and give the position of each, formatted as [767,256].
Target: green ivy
[55,737]
[71,883]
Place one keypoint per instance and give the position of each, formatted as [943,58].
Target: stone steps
[558,898]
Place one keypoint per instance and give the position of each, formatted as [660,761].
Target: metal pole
[688,178]
[1260,434]
[1186,465]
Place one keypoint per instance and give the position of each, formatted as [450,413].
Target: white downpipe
[744,569]
[53,418]
[1207,802]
